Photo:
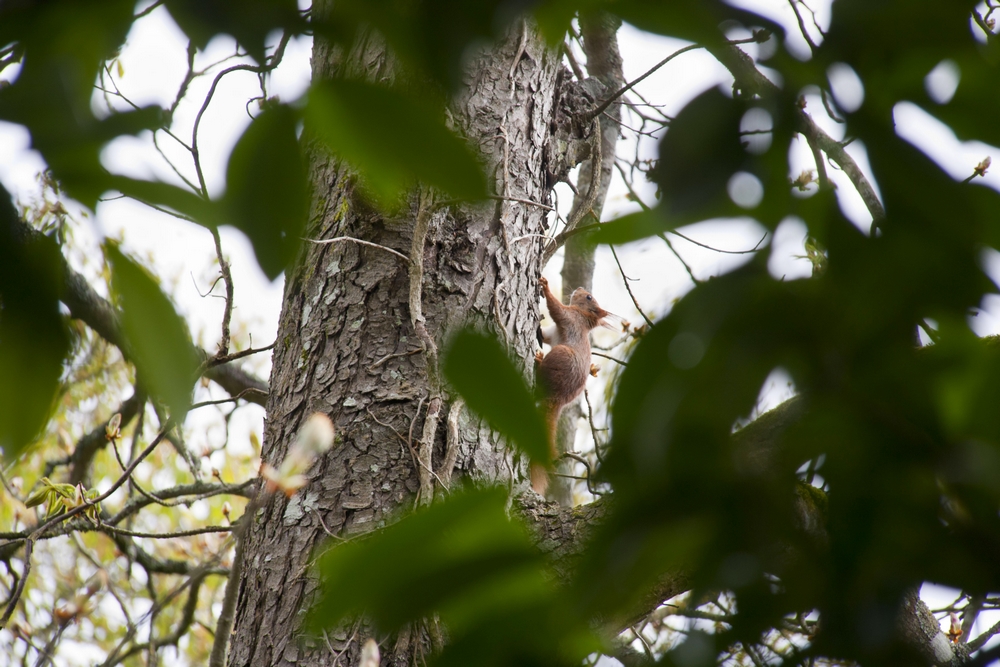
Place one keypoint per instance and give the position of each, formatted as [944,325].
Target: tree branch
[750,80]
[95,311]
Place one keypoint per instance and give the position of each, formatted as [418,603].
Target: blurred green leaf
[249,21]
[692,20]
[432,37]
[699,153]
[631,227]
[181,200]
[158,339]
[266,192]
[65,45]
[33,338]
[478,368]
[392,139]
[461,557]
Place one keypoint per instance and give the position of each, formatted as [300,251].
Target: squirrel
[562,373]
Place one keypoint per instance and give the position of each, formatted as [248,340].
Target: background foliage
[906,438]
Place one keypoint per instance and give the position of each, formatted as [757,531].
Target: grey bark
[346,346]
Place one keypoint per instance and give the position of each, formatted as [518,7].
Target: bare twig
[607,356]
[802,25]
[588,204]
[340,239]
[227,278]
[628,288]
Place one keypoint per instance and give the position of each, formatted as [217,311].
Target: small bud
[226,509]
[113,430]
[369,654]
[981,168]
[804,179]
[315,438]
[955,629]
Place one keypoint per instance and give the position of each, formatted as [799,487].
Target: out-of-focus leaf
[433,37]
[266,192]
[476,365]
[248,21]
[693,20]
[182,201]
[894,44]
[158,339]
[460,557]
[631,227]
[65,44]
[392,139]
[698,155]
[33,337]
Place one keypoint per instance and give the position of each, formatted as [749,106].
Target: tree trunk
[347,347]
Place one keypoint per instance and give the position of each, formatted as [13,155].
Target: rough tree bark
[346,345]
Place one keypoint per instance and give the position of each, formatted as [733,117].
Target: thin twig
[227,278]
[523,201]
[607,356]
[340,239]
[628,288]
[628,86]
[680,259]
[802,26]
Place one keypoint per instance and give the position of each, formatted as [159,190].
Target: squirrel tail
[539,474]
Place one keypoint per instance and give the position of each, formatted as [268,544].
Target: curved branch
[95,311]
[750,80]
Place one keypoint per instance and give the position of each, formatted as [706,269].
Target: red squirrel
[562,373]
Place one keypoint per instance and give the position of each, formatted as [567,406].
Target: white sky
[182,254]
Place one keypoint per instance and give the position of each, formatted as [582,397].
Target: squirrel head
[585,302]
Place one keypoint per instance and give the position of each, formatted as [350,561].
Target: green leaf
[478,368]
[65,44]
[432,38]
[693,20]
[698,155]
[183,201]
[34,341]
[248,21]
[158,339]
[460,557]
[266,193]
[632,227]
[393,140]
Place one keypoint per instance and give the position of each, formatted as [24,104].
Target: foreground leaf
[158,339]
[492,386]
[266,194]
[392,139]
[461,558]
[33,337]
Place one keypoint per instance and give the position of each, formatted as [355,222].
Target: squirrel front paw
[539,356]
[543,282]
